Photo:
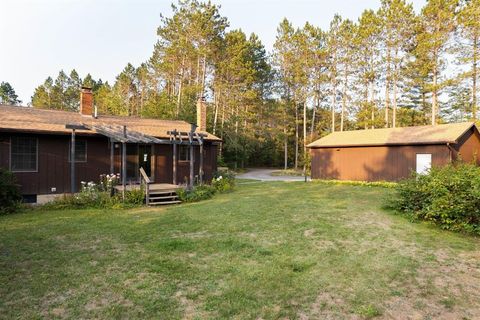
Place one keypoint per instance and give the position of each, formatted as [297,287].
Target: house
[36,145]
[391,154]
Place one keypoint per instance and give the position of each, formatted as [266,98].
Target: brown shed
[391,154]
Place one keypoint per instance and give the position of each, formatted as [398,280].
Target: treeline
[392,67]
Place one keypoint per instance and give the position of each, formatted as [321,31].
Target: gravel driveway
[265,175]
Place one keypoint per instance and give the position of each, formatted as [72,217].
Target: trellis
[120,134]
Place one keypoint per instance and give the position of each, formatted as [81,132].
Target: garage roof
[439,134]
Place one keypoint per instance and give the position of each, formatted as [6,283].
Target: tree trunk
[372,84]
[285,140]
[334,101]
[474,77]
[312,126]
[215,116]
[304,136]
[344,101]
[296,133]
[387,88]
[434,94]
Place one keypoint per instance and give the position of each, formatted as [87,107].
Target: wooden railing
[145,180]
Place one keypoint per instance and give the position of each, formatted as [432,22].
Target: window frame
[36,156]
[187,147]
[70,151]
[416,162]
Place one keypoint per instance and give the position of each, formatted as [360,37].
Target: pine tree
[8,95]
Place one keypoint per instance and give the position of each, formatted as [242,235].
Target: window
[23,152]
[184,153]
[80,151]
[424,163]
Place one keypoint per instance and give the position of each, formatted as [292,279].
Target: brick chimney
[201,114]
[86,101]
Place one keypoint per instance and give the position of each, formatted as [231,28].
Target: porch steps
[163,197]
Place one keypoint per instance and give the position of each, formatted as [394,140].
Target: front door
[145,158]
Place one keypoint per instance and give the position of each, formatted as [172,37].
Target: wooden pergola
[120,134]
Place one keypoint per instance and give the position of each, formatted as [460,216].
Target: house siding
[54,166]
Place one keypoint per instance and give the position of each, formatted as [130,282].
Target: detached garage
[391,154]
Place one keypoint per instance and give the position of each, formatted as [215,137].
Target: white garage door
[424,162]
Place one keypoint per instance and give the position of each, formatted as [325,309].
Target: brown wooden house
[36,145]
[391,154]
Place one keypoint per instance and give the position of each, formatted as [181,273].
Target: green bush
[10,196]
[447,196]
[99,196]
[223,181]
[198,193]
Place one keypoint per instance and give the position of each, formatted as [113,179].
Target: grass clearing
[287,172]
[265,251]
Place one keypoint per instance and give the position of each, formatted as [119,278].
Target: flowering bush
[223,181]
[108,182]
[101,195]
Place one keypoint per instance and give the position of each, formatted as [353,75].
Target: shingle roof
[53,121]
[439,134]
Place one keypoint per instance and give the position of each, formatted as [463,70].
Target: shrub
[223,181]
[447,196]
[10,196]
[133,197]
[198,193]
[101,196]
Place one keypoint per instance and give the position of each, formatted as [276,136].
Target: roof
[439,134]
[27,119]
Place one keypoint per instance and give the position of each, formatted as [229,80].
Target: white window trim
[23,171]
[416,162]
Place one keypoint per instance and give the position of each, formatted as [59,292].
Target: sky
[41,37]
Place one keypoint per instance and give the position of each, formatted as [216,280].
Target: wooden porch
[152,187]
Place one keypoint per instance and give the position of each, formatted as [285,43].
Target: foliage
[198,193]
[288,172]
[223,181]
[383,184]
[447,196]
[10,196]
[8,95]
[100,195]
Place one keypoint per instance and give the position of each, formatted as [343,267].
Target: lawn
[265,251]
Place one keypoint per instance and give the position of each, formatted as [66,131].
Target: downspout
[451,151]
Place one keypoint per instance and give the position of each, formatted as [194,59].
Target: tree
[398,21]
[469,50]
[8,95]
[437,24]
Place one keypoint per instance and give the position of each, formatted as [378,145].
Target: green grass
[288,172]
[268,250]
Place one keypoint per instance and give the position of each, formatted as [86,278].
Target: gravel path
[265,175]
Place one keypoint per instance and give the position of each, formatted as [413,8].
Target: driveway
[265,175]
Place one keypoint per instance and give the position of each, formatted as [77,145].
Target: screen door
[424,162]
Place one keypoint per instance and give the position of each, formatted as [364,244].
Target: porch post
[174,162]
[112,156]
[200,170]
[72,163]
[191,166]
[124,168]
[124,162]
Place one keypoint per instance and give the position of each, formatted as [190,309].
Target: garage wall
[383,163]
